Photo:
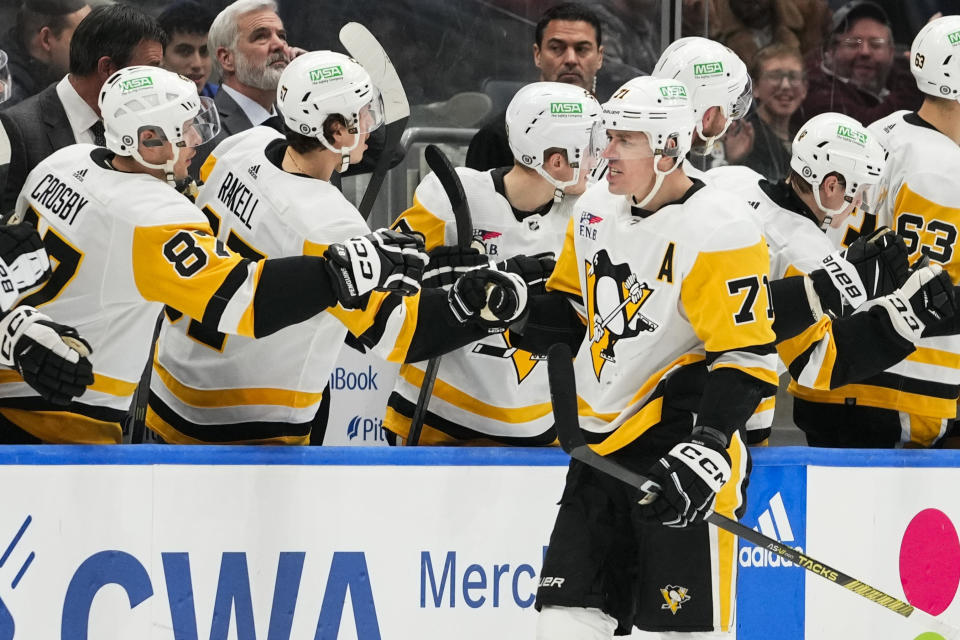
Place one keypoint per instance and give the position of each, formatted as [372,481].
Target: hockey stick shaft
[450,181]
[563,395]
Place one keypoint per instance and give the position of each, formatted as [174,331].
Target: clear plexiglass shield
[740,106]
[204,126]
[6,88]
[596,142]
[371,115]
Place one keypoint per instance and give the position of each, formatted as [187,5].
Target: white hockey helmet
[320,84]
[141,98]
[836,143]
[5,87]
[660,108]
[549,115]
[714,75]
[935,58]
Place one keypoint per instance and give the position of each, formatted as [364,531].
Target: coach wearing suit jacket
[109,38]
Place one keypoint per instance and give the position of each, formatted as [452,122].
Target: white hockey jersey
[209,387]
[920,199]
[681,288]
[123,244]
[488,389]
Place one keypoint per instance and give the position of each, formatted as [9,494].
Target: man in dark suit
[250,51]
[109,38]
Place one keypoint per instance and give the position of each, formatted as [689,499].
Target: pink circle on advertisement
[930,561]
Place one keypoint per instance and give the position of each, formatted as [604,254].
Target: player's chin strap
[830,214]
[166,167]
[708,141]
[660,177]
[560,185]
[343,151]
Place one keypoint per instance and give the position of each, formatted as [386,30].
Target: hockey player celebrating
[914,402]
[687,383]
[720,92]
[489,390]
[126,243]
[835,166]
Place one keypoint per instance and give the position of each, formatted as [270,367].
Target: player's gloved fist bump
[535,269]
[492,298]
[51,357]
[689,477]
[384,260]
[873,266]
[23,262]
[927,297]
[447,263]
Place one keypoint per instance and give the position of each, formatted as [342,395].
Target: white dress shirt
[79,113]
[254,112]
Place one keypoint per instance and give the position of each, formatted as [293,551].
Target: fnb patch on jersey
[587,219]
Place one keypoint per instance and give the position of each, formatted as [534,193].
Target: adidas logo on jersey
[774,523]
[754,203]
[80,175]
[253,171]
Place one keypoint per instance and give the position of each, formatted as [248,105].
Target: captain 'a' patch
[614,296]
[499,346]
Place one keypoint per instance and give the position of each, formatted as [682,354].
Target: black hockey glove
[872,266]
[383,261]
[926,298]
[533,269]
[51,357]
[23,262]
[689,477]
[449,263]
[491,298]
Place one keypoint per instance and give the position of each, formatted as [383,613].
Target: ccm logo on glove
[707,463]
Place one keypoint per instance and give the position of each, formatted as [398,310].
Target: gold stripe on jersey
[729,500]
[926,355]
[101,383]
[64,427]
[766,404]
[725,299]
[233,397]
[816,339]
[314,249]
[207,167]
[461,400]
[171,435]
[358,321]
[565,277]
[421,220]
[880,397]
[928,227]
[181,266]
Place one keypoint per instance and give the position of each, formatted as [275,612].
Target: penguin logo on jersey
[614,297]
[523,361]
[484,237]
[675,597]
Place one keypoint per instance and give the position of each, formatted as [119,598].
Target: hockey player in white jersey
[835,166]
[914,402]
[126,243]
[489,390]
[720,87]
[668,276]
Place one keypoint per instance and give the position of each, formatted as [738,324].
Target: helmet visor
[371,115]
[741,105]
[596,142]
[6,89]
[202,127]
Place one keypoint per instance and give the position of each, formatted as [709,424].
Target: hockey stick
[450,181]
[563,396]
[365,49]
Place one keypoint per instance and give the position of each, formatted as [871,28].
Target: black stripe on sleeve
[218,301]
[791,308]
[729,399]
[290,290]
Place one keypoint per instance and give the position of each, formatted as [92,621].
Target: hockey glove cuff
[383,261]
[449,263]
[535,270]
[690,476]
[926,298]
[491,298]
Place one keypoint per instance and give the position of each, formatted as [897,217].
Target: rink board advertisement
[191,543]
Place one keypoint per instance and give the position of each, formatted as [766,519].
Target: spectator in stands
[38,45]
[746,26]
[186,24]
[859,73]
[567,48]
[109,38]
[779,87]
[249,45]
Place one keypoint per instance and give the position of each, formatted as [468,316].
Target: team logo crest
[675,597]
[523,361]
[614,297]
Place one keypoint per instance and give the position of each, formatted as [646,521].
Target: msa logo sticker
[134,84]
[774,523]
[707,69]
[673,91]
[325,74]
[484,237]
[675,597]
[566,108]
[954,38]
[614,296]
[853,135]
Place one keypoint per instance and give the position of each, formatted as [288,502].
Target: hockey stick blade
[440,165]
[365,49]
[563,396]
